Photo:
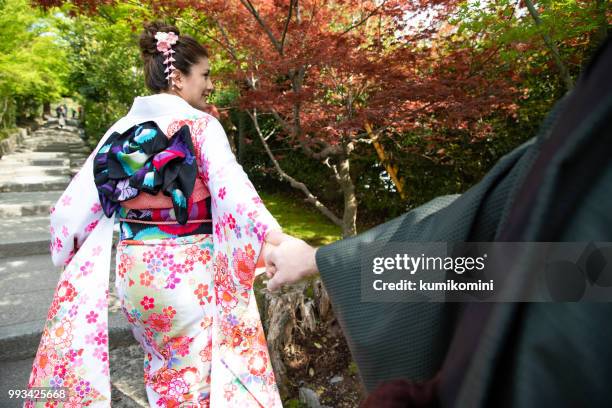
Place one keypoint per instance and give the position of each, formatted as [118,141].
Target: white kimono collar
[157,104]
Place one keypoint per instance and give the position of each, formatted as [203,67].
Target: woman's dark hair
[187,53]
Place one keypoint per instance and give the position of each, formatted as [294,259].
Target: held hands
[287,259]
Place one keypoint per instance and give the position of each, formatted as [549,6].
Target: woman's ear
[177,79]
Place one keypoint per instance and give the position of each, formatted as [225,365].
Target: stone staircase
[32,178]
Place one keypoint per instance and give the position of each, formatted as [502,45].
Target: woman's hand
[265,249]
[288,260]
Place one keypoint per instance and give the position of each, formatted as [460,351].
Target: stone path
[31,180]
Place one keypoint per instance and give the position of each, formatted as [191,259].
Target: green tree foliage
[33,67]
[105,66]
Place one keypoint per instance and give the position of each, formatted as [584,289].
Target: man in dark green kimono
[556,187]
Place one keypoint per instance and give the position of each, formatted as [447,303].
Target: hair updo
[187,53]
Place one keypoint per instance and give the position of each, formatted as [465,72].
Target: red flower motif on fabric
[53,309]
[125,264]
[192,251]
[202,293]
[91,317]
[179,344]
[147,257]
[91,226]
[204,256]
[258,363]
[66,292]
[231,221]
[206,352]
[159,322]
[101,338]
[147,303]
[169,311]
[87,268]
[226,299]
[58,245]
[221,275]
[237,339]
[146,278]
[161,382]
[100,354]
[175,125]
[96,208]
[244,266]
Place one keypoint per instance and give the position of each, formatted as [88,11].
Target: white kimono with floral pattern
[74,353]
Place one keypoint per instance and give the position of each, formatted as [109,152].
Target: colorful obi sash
[144,159]
[155,227]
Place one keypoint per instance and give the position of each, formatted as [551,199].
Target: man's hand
[289,260]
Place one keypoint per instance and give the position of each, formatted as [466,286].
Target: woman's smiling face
[195,87]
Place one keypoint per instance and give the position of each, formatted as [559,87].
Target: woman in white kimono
[192,229]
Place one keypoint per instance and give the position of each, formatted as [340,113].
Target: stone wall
[9,144]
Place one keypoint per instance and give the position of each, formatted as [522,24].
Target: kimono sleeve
[240,218]
[74,215]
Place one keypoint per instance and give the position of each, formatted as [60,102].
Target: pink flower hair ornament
[165,41]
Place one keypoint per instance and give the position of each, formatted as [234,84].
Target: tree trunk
[349,218]
[46,109]
[286,313]
[565,75]
[5,108]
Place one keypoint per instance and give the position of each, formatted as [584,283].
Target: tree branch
[294,183]
[282,42]
[551,46]
[249,6]
[228,47]
[366,18]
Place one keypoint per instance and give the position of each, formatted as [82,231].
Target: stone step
[59,137]
[125,392]
[36,184]
[68,140]
[55,148]
[14,375]
[27,236]
[27,204]
[27,284]
[24,236]
[28,157]
[127,374]
[29,170]
[34,171]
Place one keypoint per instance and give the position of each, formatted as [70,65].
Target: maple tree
[337,76]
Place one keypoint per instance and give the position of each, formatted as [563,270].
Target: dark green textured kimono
[555,187]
